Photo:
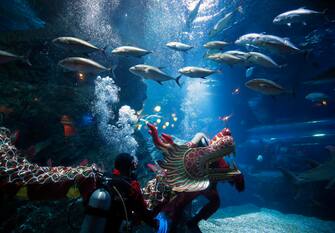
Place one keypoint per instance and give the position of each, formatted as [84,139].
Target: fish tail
[283,66]
[177,80]
[104,50]
[25,58]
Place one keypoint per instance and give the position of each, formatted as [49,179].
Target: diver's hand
[163,223]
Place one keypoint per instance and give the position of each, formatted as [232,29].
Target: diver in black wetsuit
[117,204]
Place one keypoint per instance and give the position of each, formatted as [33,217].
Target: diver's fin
[177,80]
[160,82]
[331,184]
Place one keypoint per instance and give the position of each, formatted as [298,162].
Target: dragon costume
[187,168]
[30,181]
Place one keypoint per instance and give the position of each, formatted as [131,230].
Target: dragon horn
[167,138]
[154,134]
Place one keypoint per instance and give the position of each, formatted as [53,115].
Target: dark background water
[286,130]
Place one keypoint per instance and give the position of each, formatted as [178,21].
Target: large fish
[130,51]
[324,172]
[153,73]
[225,22]
[80,64]
[216,45]
[237,53]
[269,42]
[301,15]
[178,46]
[197,72]
[262,60]
[265,86]
[316,97]
[76,44]
[225,58]
[193,14]
[6,57]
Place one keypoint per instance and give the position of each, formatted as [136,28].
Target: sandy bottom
[248,219]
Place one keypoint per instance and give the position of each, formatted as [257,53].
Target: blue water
[286,130]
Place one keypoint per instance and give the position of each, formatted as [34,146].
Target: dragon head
[198,164]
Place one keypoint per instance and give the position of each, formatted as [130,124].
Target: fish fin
[161,67]
[331,184]
[160,82]
[240,9]
[203,77]
[104,50]
[25,58]
[113,68]
[283,66]
[304,23]
[219,71]
[178,79]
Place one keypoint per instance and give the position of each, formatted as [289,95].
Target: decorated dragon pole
[19,177]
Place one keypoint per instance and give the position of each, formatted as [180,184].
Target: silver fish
[178,46]
[193,14]
[262,60]
[316,97]
[225,58]
[224,22]
[130,51]
[216,45]
[80,64]
[301,15]
[197,72]
[6,57]
[269,42]
[153,73]
[265,86]
[75,44]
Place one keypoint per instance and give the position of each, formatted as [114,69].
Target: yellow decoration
[73,192]
[23,193]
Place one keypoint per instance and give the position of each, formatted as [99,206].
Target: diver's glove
[163,223]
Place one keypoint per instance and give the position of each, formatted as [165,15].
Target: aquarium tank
[169,116]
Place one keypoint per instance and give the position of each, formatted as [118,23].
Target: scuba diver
[117,205]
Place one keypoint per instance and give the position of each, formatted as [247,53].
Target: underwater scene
[169,116]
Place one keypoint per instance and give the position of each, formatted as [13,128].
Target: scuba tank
[97,212]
